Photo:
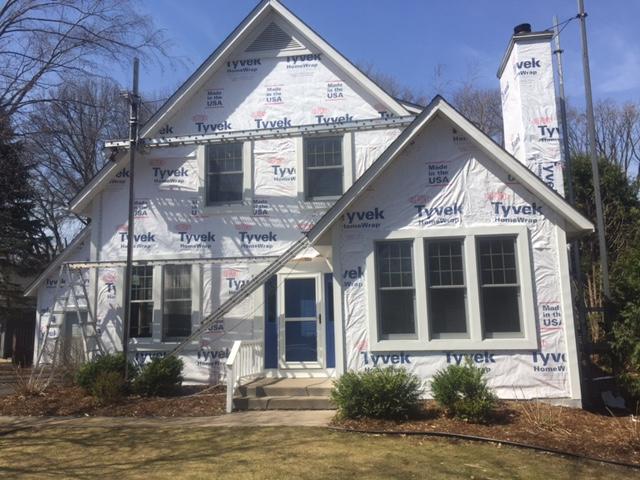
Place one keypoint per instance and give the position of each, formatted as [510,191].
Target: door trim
[320,336]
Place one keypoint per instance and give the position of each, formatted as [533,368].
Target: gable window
[396,291]
[323,167]
[141,301]
[224,173]
[499,289]
[447,294]
[176,302]
[449,289]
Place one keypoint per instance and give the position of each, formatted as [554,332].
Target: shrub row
[103,377]
[394,393]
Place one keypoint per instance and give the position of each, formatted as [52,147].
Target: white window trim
[347,171]
[475,339]
[244,207]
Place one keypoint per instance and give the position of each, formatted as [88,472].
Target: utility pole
[134,102]
[581,331]
[591,131]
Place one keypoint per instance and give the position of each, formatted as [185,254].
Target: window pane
[177,282]
[301,341]
[141,319]
[501,310]
[323,151]
[323,166]
[177,319]
[324,183]
[397,309]
[300,298]
[224,173]
[447,310]
[445,262]
[226,187]
[497,260]
[142,282]
[224,157]
[394,264]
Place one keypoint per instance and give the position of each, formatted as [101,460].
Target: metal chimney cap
[522,28]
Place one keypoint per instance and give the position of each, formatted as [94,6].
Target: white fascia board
[576,222]
[31,290]
[80,202]
[340,60]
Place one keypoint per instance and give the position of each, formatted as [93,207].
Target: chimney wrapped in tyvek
[529,110]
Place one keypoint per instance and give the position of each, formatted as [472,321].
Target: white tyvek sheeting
[529,111]
[369,145]
[170,220]
[252,92]
[465,189]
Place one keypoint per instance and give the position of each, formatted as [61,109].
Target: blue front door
[300,320]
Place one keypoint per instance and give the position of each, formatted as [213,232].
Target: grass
[243,453]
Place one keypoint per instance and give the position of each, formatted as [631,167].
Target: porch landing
[285,394]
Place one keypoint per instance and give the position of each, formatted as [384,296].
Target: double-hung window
[323,168]
[396,290]
[447,293]
[499,288]
[224,173]
[176,308]
[450,289]
[141,319]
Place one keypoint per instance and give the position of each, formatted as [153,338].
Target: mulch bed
[534,423]
[190,401]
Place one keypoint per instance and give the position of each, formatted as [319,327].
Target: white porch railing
[246,360]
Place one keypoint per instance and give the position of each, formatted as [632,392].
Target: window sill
[228,209]
[463,344]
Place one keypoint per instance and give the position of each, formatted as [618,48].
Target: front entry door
[300,322]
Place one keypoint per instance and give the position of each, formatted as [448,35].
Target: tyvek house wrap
[443,180]
[172,222]
[529,110]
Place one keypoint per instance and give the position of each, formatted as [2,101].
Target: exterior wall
[444,182]
[172,222]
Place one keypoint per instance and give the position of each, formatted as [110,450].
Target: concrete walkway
[268,418]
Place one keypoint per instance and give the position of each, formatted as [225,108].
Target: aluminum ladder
[244,292]
[71,297]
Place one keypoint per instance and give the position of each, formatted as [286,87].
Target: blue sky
[412,39]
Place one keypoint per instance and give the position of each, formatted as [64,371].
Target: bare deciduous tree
[65,139]
[42,41]
[483,106]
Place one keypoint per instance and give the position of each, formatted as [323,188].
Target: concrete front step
[308,402]
[287,387]
[285,394]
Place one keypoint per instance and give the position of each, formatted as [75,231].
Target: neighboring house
[431,244]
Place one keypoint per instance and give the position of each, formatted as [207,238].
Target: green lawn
[300,453]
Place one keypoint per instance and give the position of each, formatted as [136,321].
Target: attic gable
[576,223]
[270,24]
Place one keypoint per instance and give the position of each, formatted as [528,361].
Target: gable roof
[576,223]
[241,33]
[57,262]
